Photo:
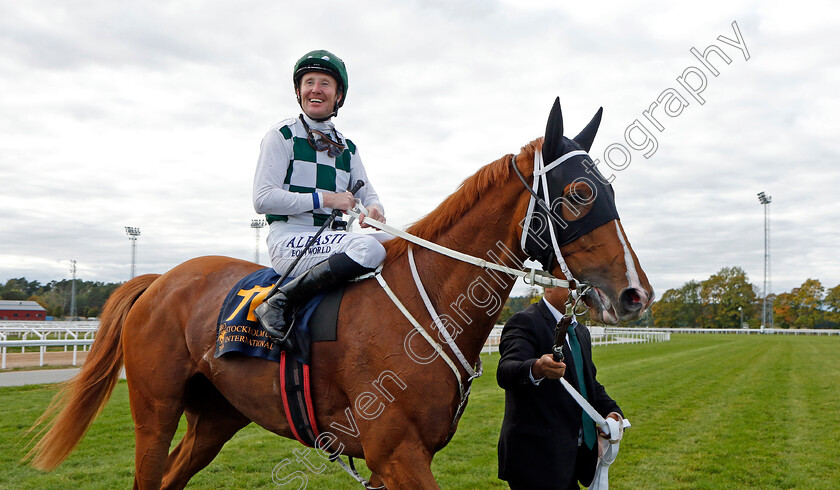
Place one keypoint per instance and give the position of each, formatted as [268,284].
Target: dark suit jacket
[538,445]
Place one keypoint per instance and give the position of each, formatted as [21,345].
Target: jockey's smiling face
[318,94]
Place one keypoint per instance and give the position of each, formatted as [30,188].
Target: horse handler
[303,173]
[547,441]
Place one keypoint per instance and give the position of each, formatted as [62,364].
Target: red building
[22,310]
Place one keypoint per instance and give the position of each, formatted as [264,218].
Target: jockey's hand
[375,213]
[547,367]
[339,200]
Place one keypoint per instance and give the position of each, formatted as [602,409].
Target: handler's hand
[375,214]
[547,367]
[339,200]
[613,415]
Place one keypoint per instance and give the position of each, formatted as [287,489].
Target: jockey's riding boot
[276,312]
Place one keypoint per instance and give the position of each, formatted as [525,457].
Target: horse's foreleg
[211,422]
[375,481]
[408,465]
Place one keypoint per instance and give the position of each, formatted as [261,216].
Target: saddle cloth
[239,330]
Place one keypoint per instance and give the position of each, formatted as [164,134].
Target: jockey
[304,172]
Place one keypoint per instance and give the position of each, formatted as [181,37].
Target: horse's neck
[469,298]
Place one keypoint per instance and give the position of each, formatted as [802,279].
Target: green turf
[708,411]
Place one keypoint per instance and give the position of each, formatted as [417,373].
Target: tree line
[56,296]
[722,300]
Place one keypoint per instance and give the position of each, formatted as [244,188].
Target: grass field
[708,411]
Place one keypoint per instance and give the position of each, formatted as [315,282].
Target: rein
[530,276]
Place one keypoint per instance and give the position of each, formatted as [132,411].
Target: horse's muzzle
[633,302]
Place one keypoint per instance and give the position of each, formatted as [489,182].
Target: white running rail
[40,335]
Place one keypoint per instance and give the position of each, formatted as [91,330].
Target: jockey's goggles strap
[320,141]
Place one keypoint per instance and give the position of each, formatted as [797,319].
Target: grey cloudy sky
[150,114]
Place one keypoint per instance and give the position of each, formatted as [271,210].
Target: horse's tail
[82,398]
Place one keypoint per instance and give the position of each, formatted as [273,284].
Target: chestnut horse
[382,394]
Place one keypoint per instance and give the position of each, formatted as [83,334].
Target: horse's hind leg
[157,378]
[211,422]
[156,413]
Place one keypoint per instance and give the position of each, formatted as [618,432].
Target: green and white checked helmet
[323,60]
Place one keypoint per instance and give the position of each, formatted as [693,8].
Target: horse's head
[581,225]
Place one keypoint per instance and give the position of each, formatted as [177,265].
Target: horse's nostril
[632,300]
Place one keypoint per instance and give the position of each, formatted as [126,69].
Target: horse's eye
[579,196]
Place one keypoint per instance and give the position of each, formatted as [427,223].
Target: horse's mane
[436,223]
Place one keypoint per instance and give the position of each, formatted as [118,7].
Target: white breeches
[288,243]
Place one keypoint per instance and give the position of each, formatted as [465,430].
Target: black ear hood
[587,136]
[554,145]
[564,161]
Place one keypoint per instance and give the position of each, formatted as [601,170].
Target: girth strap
[297,399]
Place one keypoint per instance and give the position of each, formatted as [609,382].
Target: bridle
[574,285]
